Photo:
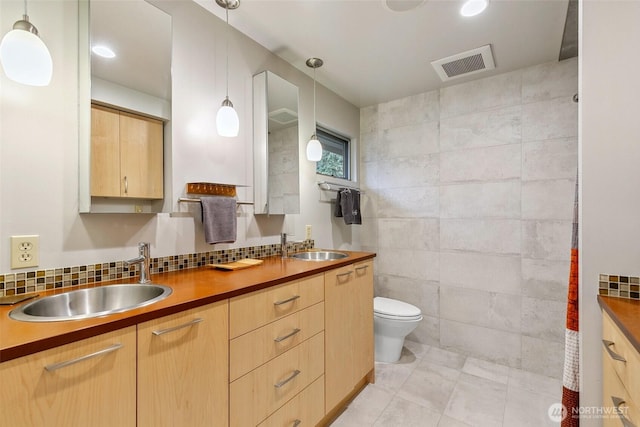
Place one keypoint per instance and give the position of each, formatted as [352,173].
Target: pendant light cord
[226,9]
[314,101]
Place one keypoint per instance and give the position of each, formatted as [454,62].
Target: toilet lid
[394,308]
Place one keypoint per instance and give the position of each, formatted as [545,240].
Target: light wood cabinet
[87,383]
[183,368]
[348,330]
[620,377]
[304,410]
[126,155]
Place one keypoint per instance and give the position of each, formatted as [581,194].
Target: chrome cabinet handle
[296,423]
[289,335]
[348,273]
[126,185]
[175,328]
[607,345]
[283,382]
[293,298]
[56,366]
[617,402]
[364,267]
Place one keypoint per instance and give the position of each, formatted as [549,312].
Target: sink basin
[91,302]
[319,255]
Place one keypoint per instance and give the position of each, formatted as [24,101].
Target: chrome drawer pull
[289,335]
[283,382]
[617,402]
[293,298]
[607,344]
[348,273]
[107,350]
[296,423]
[175,328]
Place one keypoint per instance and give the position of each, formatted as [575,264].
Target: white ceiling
[372,54]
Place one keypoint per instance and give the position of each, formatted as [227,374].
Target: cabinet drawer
[253,310]
[617,346]
[262,391]
[306,409]
[615,397]
[257,347]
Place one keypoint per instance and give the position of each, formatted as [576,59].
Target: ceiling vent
[283,116]
[465,63]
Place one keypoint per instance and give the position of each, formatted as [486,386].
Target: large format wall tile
[556,118]
[481,164]
[489,344]
[498,236]
[489,309]
[550,159]
[482,129]
[410,233]
[546,239]
[493,92]
[369,146]
[423,294]
[492,273]
[545,279]
[418,202]
[543,319]
[552,199]
[414,171]
[411,110]
[369,119]
[481,200]
[542,356]
[411,263]
[412,140]
[550,80]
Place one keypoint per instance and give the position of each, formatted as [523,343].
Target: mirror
[276,143]
[137,82]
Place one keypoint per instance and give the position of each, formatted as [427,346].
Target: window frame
[327,137]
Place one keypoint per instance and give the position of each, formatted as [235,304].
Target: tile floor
[434,387]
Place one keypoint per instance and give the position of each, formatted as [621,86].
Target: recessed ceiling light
[403,5]
[473,7]
[103,51]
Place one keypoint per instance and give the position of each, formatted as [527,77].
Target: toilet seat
[388,308]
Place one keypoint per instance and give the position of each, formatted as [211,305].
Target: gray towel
[219,219]
[348,206]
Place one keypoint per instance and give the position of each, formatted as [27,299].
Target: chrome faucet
[144,259]
[283,244]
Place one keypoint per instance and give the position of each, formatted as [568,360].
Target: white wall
[610,155]
[39,145]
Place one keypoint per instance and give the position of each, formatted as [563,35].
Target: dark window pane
[335,154]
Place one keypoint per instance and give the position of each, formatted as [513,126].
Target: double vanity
[285,343]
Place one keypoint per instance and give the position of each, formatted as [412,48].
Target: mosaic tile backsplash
[619,286]
[66,277]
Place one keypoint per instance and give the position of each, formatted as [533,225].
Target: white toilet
[393,320]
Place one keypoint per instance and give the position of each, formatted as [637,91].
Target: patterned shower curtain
[570,380]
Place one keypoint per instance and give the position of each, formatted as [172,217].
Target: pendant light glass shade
[314,147]
[24,56]
[227,121]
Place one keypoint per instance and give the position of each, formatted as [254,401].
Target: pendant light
[314,148]
[227,121]
[24,56]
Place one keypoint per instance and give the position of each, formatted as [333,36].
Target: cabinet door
[348,329]
[141,157]
[105,152]
[183,367]
[97,387]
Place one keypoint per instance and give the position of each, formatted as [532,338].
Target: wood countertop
[626,315]
[191,288]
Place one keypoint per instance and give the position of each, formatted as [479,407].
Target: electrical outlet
[24,251]
[307,231]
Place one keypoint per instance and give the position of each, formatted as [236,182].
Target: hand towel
[337,211]
[350,206]
[219,219]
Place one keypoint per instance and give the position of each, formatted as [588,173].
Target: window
[335,154]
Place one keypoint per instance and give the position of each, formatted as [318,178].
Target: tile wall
[469,203]
[66,277]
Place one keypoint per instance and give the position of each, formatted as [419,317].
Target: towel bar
[194,200]
[331,186]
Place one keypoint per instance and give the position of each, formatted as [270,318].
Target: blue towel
[348,206]
[219,219]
